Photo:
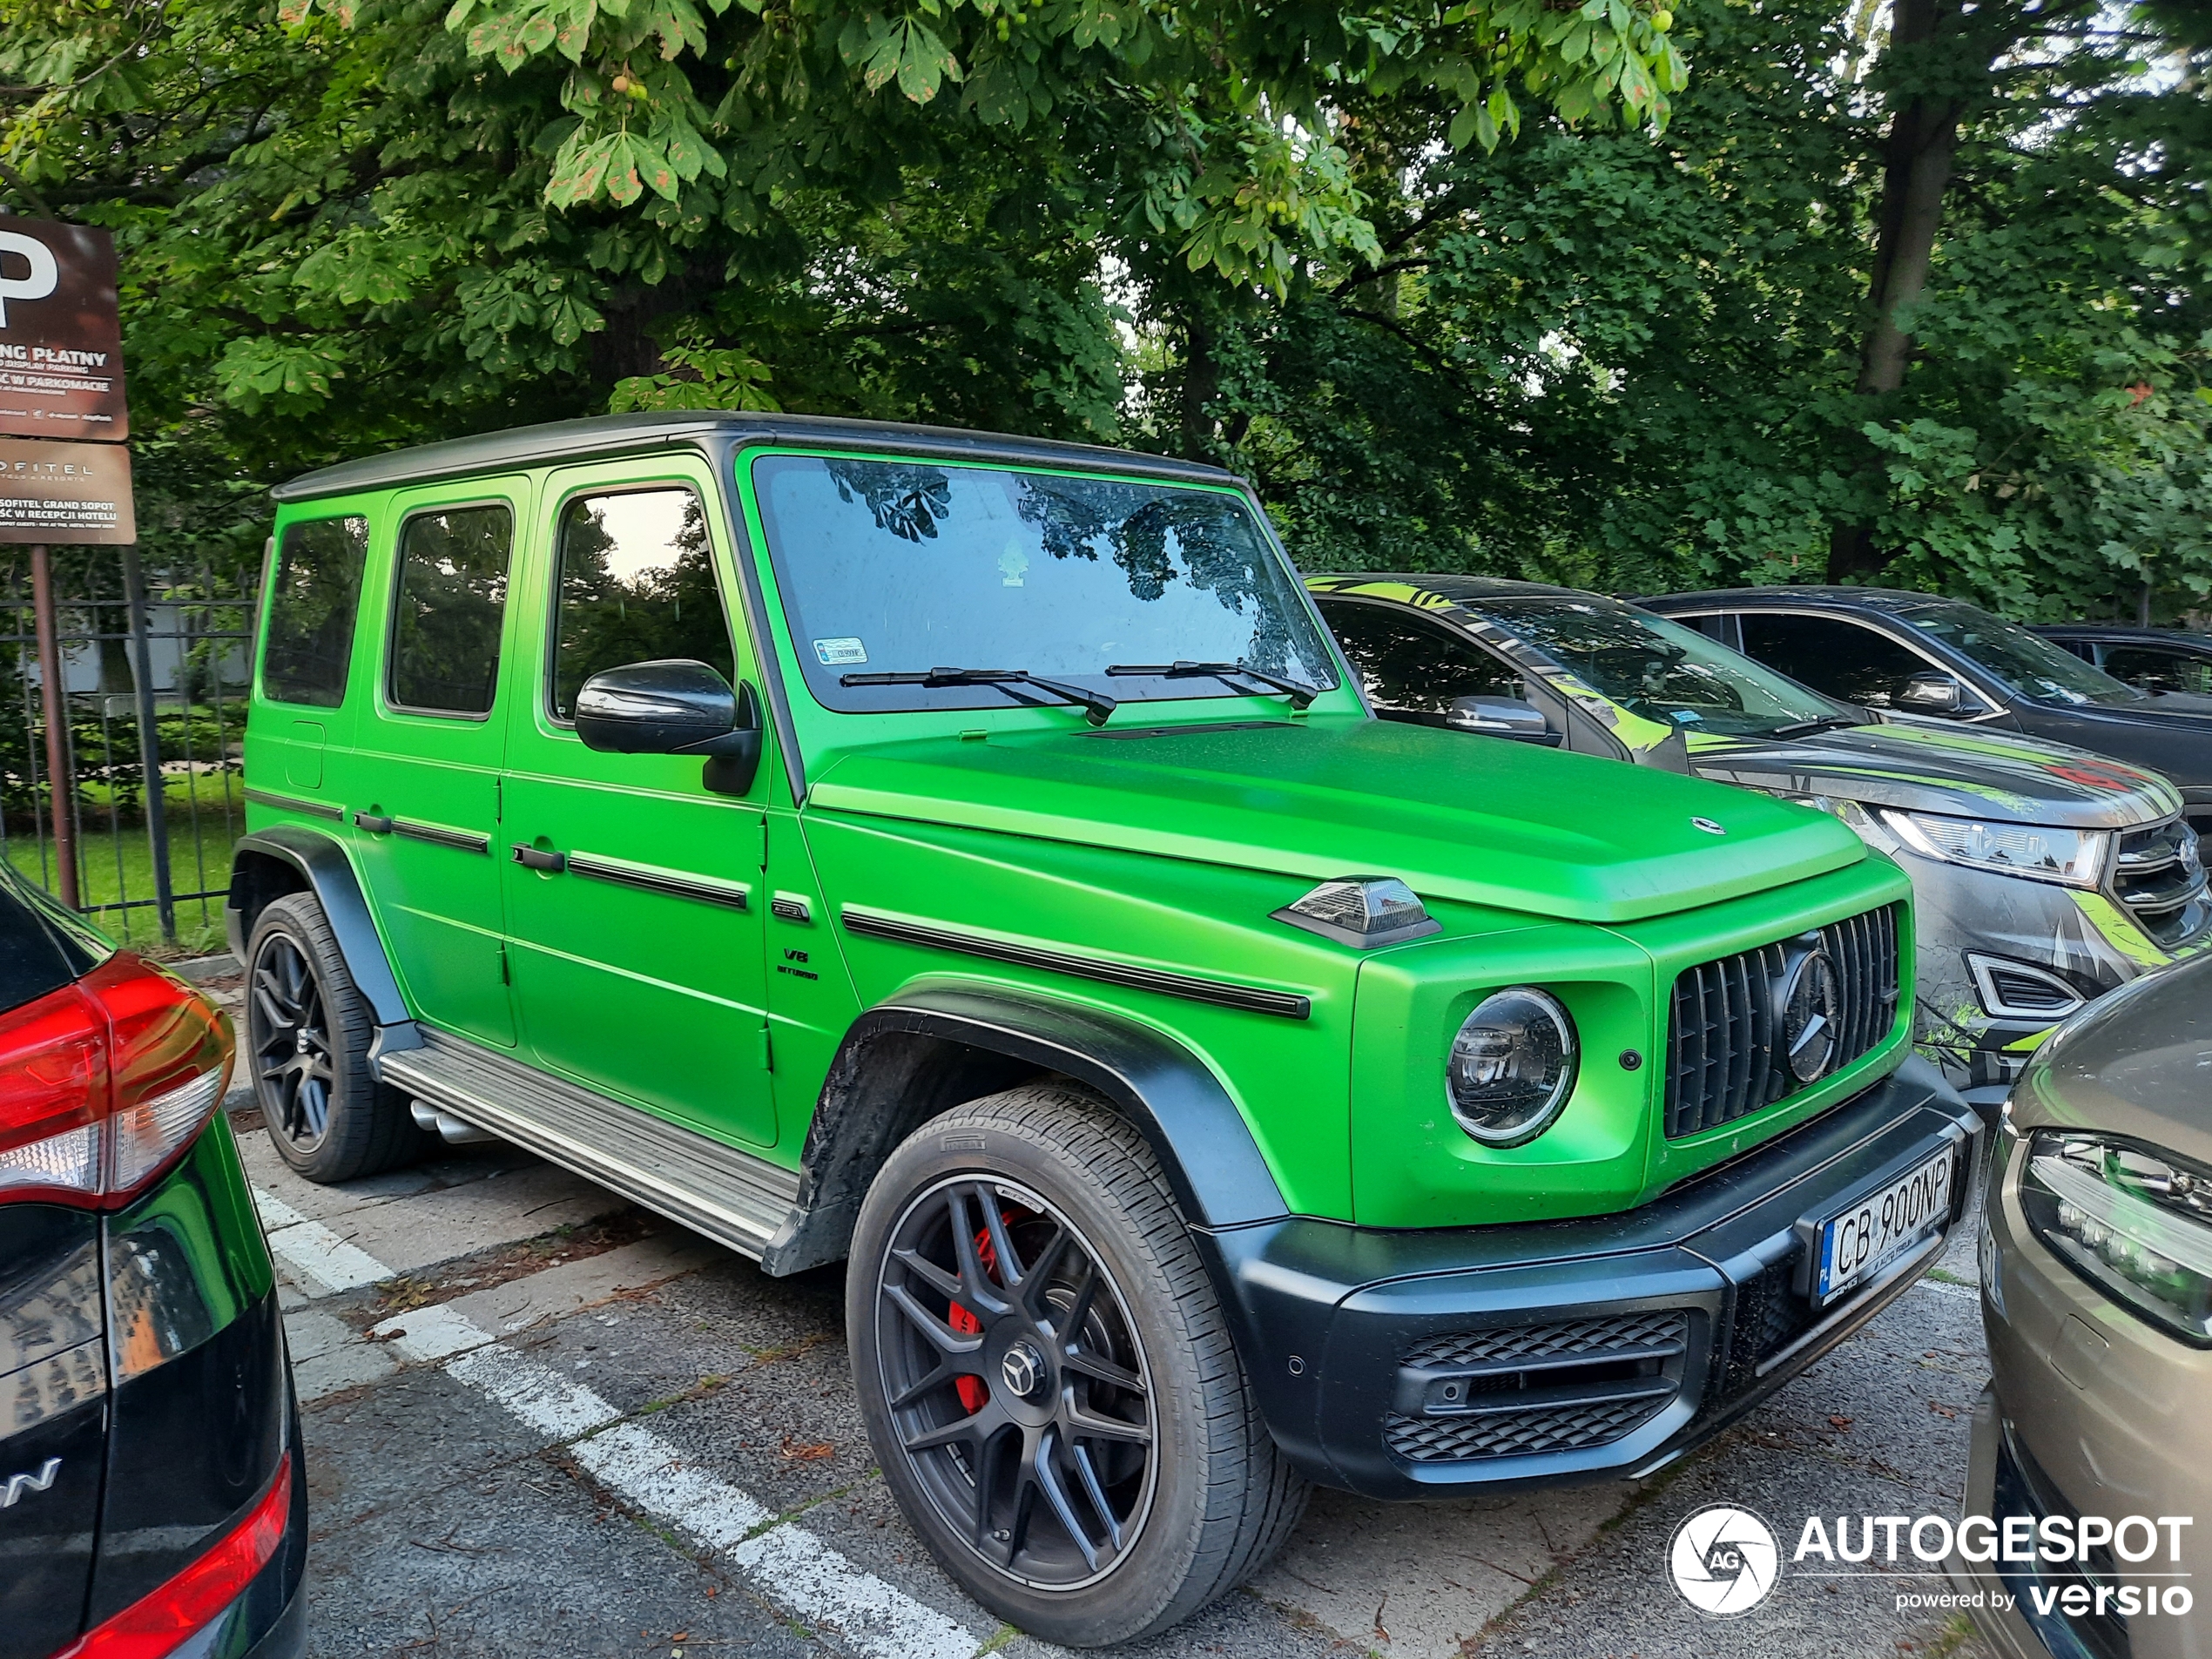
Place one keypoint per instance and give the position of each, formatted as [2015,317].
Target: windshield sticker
[836,653]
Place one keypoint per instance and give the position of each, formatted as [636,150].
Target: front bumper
[1625,1339]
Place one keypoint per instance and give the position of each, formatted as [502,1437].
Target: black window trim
[1969,675]
[272,554]
[386,702]
[555,521]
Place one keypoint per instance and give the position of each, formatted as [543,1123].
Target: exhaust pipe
[430,1120]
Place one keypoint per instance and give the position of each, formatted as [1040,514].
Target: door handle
[375,824]
[531,859]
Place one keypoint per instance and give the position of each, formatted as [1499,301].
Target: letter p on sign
[45,272]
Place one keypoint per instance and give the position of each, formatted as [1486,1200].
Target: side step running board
[732,1196]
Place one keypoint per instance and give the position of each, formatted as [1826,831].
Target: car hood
[2138,1063]
[1964,774]
[1482,821]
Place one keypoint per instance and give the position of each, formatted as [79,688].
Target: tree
[1490,287]
[1643,365]
[348,225]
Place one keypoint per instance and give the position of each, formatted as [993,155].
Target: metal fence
[154,663]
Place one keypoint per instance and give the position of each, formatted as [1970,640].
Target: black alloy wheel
[307,1036]
[288,1034]
[1017,1386]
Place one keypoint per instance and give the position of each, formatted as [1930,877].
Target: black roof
[2126,633]
[694,429]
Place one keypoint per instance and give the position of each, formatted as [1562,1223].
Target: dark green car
[971,857]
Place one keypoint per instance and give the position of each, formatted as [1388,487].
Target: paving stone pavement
[539,1422]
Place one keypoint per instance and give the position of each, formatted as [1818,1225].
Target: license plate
[1857,1243]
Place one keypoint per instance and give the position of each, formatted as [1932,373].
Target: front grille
[1726,1058]
[2157,875]
[1513,1391]
[1550,1428]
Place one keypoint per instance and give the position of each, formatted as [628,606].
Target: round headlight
[1511,1067]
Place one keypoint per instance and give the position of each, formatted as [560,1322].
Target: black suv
[153,1500]
[1918,655]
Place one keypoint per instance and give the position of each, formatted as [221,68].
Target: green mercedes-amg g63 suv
[970,858]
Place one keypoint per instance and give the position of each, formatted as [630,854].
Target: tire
[308,1033]
[1095,1387]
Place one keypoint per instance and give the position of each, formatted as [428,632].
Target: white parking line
[327,1263]
[791,1567]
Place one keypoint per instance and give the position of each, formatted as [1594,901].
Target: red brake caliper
[971,1390]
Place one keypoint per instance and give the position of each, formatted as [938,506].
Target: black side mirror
[1933,693]
[1500,717]
[674,707]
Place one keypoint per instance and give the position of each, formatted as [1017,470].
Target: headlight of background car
[2135,1224]
[2075,858]
[1511,1067]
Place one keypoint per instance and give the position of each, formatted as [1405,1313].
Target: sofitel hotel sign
[64,474]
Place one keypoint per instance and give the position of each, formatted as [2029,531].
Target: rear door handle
[373,823]
[531,859]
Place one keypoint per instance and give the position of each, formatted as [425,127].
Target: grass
[118,864]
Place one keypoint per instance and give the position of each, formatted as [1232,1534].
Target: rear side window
[636,584]
[447,608]
[1830,655]
[314,593]
[2154,669]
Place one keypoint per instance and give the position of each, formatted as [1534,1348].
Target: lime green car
[971,859]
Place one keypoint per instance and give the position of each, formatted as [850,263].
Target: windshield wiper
[1298,690]
[1099,706]
[1806,728]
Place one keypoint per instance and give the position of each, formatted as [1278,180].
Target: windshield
[2027,663]
[1658,669]
[899,567]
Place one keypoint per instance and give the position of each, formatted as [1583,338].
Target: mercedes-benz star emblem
[1023,1368]
[1707,826]
[1725,1559]
[1813,1013]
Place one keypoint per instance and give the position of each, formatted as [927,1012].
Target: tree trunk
[1201,387]
[1923,138]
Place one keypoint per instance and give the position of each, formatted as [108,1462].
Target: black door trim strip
[730,895]
[286,803]
[439,835]
[1250,998]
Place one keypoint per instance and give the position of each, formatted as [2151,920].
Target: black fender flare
[325,870]
[1218,1174]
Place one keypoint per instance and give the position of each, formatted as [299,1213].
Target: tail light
[164,1620]
[104,1081]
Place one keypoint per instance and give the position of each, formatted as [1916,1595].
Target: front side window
[447,608]
[314,592]
[2031,664]
[1414,667]
[1842,658]
[901,567]
[1654,668]
[636,585]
